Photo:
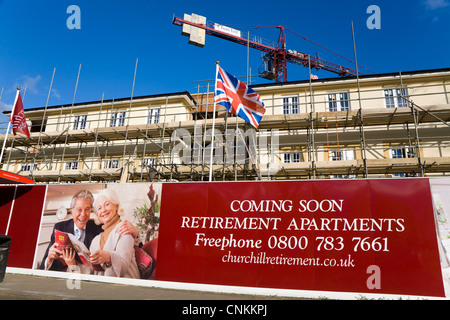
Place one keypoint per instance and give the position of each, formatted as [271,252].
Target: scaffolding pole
[362,133]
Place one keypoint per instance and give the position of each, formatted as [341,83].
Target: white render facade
[377,126]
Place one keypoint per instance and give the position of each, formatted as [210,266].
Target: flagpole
[214,120]
[9,125]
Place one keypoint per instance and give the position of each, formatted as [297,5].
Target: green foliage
[146,218]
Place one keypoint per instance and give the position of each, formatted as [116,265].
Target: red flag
[18,120]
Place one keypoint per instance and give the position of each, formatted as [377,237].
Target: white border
[286,293]
[36,245]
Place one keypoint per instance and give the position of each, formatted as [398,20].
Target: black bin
[5,245]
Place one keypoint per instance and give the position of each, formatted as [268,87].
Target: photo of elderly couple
[116,223]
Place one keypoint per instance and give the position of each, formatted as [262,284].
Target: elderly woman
[115,252]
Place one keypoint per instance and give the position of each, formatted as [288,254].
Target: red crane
[276,55]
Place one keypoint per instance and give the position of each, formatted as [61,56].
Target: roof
[366,76]
[112,100]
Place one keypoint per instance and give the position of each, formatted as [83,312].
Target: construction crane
[275,55]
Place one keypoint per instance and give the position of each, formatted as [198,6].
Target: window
[338,155]
[28,167]
[110,164]
[80,122]
[403,152]
[72,165]
[290,157]
[117,119]
[149,162]
[394,98]
[290,105]
[397,153]
[339,101]
[153,115]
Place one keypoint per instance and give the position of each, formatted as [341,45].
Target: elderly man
[81,226]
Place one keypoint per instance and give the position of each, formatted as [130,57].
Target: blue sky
[34,39]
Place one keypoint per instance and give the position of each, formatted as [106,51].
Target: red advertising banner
[366,236]
[20,217]
[362,236]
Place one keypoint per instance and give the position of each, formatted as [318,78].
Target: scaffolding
[323,138]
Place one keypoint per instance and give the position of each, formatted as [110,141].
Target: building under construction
[371,126]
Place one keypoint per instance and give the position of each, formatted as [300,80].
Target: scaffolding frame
[144,152]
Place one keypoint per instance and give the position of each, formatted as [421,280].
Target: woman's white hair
[111,196]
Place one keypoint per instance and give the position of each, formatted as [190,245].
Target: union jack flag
[238,98]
